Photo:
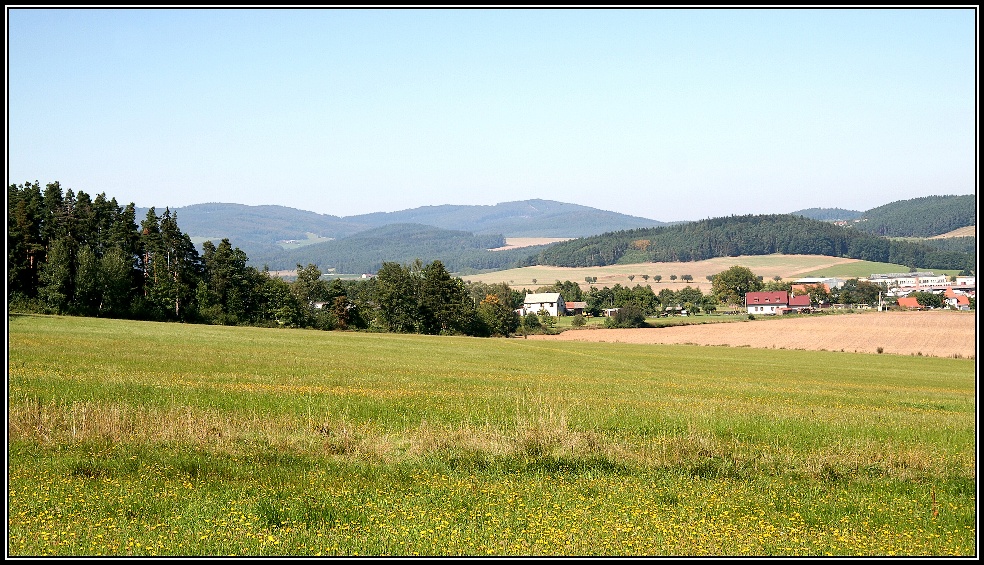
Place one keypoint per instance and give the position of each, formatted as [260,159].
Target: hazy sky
[669,114]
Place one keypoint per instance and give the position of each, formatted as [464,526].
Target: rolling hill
[919,217]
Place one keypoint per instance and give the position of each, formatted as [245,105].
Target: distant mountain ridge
[525,218]
[459,235]
[260,230]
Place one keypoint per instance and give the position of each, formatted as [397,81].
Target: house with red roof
[772,302]
[799,303]
[766,302]
[957,301]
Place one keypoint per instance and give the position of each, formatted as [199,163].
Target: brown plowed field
[934,333]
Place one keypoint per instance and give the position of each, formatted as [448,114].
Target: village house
[552,302]
[776,302]
[766,302]
[910,303]
[958,301]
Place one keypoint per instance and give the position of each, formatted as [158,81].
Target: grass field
[135,438]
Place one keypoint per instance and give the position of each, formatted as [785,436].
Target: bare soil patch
[933,333]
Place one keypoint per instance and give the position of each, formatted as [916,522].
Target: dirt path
[935,333]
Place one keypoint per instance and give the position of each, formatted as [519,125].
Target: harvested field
[517,242]
[969,231]
[934,333]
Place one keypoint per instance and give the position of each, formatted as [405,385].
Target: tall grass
[167,439]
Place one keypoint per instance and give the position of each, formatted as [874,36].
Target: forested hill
[263,224]
[920,217]
[829,214]
[744,235]
[366,251]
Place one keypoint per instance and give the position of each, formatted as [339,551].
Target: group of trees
[69,253]
[426,299]
[649,303]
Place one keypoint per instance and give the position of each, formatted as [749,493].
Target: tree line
[70,253]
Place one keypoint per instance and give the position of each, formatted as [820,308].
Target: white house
[552,302]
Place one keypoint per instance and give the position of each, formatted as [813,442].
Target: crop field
[787,267]
[150,439]
[939,333]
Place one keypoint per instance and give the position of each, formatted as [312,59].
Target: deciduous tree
[731,285]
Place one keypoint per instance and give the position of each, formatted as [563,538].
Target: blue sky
[672,115]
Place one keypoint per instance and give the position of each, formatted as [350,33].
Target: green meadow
[145,439]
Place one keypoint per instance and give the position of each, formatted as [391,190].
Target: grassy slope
[144,438]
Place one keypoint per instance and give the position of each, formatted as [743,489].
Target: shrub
[630,315]
[577,321]
[531,322]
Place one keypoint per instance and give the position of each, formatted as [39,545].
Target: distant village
[956,294]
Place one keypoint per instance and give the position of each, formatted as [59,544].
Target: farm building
[552,302]
[827,282]
[910,280]
[575,308]
[798,303]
